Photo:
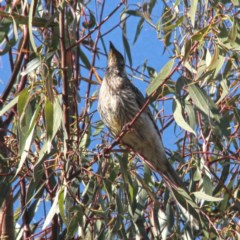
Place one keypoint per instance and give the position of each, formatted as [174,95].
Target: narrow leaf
[178,116]
[30,21]
[54,210]
[160,77]
[27,140]
[200,99]
[206,197]
[22,100]
[192,11]
[48,112]
[127,48]
[11,104]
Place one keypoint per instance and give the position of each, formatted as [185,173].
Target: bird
[118,103]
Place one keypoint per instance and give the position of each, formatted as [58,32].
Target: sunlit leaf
[22,101]
[27,140]
[156,82]
[35,63]
[37,22]
[206,197]
[30,22]
[61,204]
[49,121]
[192,11]
[54,210]
[98,128]
[178,116]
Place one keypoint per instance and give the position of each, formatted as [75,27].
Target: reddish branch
[25,217]
[65,86]
[97,27]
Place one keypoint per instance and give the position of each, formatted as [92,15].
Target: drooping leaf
[48,113]
[127,48]
[84,59]
[178,116]
[53,210]
[160,77]
[192,11]
[30,22]
[11,104]
[36,22]
[35,63]
[26,139]
[22,101]
[201,100]
[206,197]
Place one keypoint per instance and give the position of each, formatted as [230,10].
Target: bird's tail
[182,196]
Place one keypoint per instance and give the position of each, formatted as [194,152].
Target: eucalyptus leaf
[156,82]
[178,116]
[206,197]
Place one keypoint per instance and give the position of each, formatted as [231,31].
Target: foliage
[68,178]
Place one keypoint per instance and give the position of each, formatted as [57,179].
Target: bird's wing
[141,101]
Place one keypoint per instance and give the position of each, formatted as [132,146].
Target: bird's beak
[112,55]
[111,46]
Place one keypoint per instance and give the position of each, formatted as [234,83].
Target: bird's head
[115,58]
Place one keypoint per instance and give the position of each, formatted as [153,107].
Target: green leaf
[178,116]
[200,35]
[27,140]
[61,204]
[35,63]
[224,91]
[53,210]
[134,13]
[236,3]
[76,220]
[48,114]
[138,30]
[192,11]
[84,59]
[172,26]
[34,189]
[191,114]
[187,47]
[86,138]
[98,128]
[206,197]
[201,100]
[127,48]
[11,104]
[214,59]
[160,77]
[224,175]
[91,22]
[30,21]
[237,114]
[36,22]
[22,101]
[15,31]
[57,116]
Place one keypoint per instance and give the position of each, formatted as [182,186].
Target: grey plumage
[119,102]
